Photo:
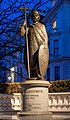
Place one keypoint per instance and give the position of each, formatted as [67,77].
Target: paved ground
[15,117]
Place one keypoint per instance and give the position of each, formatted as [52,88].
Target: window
[48,74]
[54,24]
[57,73]
[56,47]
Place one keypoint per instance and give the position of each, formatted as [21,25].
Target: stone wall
[10,102]
[58,102]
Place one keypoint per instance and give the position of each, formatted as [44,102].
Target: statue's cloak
[38,41]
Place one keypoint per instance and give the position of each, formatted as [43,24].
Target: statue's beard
[36,19]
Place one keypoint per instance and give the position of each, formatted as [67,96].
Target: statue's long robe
[37,36]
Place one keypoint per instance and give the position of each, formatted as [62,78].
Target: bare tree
[11,19]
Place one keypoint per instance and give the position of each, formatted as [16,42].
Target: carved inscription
[33,100]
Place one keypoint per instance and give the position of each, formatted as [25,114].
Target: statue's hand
[24,24]
[41,45]
[45,45]
[22,31]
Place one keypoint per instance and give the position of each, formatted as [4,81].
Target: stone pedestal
[35,98]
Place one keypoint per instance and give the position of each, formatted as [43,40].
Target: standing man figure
[37,45]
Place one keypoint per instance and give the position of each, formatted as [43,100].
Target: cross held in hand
[26,38]
[24,9]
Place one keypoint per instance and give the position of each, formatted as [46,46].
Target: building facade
[16,71]
[58,28]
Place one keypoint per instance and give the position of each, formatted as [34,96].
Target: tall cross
[25,9]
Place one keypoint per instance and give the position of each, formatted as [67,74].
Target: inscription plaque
[35,99]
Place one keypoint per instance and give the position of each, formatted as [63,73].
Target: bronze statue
[37,45]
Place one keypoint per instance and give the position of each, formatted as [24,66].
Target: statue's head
[35,16]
